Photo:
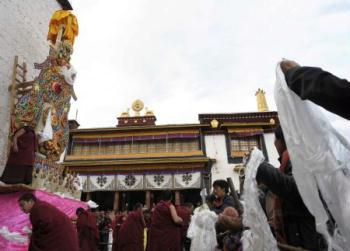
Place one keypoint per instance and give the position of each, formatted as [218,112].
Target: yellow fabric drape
[70,23]
[144,238]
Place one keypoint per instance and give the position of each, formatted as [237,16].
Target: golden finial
[262,104]
[125,114]
[149,112]
[137,107]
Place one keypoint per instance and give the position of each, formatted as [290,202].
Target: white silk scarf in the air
[320,158]
[259,236]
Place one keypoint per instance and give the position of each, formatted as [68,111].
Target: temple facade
[137,159]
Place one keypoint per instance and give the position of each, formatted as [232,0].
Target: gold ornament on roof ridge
[261,100]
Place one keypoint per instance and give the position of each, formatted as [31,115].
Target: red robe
[185,215]
[164,233]
[52,229]
[87,232]
[116,227]
[130,236]
[19,166]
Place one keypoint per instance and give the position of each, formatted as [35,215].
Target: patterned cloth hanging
[159,181]
[187,180]
[102,182]
[129,182]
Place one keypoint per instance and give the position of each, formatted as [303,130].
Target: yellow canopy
[70,23]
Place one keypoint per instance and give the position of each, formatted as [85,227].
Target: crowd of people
[217,223]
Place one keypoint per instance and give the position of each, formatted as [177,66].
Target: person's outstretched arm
[281,184]
[319,86]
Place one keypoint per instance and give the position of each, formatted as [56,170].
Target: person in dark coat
[51,229]
[295,225]
[223,200]
[318,86]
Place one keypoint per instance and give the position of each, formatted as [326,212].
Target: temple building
[137,159]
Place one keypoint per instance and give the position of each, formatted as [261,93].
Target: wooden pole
[12,101]
[116,201]
[289,248]
[148,199]
[59,36]
[88,196]
[177,198]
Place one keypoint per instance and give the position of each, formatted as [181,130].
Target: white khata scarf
[259,236]
[321,162]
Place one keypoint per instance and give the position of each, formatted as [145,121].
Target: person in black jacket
[294,225]
[318,86]
[222,200]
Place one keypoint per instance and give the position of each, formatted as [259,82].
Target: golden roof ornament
[214,124]
[149,112]
[125,114]
[137,107]
[261,100]
[136,118]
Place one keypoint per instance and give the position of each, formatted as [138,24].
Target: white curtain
[320,158]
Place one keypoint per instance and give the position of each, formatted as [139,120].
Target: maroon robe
[185,215]
[164,233]
[19,166]
[130,236]
[117,224]
[87,232]
[52,229]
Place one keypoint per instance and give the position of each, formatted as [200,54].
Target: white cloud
[200,56]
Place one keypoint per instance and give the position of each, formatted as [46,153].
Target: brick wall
[23,31]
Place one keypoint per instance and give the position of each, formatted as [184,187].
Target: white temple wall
[215,146]
[24,26]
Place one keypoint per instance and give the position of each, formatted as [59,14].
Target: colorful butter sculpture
[45,108]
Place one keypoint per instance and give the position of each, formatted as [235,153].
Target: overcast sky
[185,57]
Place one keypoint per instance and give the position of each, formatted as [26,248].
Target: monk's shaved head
[230,211]
[27,197]
[26,202]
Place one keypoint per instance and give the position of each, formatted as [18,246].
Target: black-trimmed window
[244,144]
[239,145]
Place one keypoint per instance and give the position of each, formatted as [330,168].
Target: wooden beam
[116,201]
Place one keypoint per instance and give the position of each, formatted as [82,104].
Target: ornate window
[242,145]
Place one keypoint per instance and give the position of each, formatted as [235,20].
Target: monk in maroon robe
[185,213]
[165,227]
[130,236]
[87,230]
[119,219]
[52,230]
[19,166]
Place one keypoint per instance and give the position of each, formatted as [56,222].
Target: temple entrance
[104,199]
[191,196]
[127,200]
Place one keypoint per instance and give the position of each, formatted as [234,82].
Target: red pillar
[177,198]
